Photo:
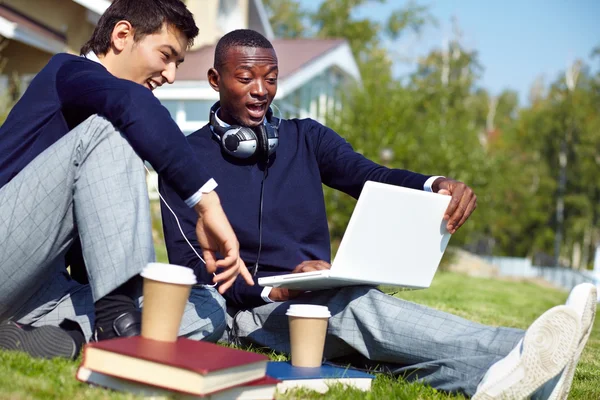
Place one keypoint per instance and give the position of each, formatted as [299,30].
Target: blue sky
[517,41]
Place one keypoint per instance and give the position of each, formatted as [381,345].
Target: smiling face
[151,61]
[247,83]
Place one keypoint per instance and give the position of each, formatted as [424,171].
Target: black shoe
[43,342]
[125,325]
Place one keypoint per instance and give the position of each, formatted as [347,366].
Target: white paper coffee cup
[169,273]
[308,328]
[166,291]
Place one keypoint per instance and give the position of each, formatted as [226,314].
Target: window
[172,106]
[197,110]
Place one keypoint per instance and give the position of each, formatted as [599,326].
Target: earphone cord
[179,225]
[260,212]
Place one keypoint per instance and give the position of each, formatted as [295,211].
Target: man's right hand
[216,235]
[283,294]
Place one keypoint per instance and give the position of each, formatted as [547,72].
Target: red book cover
[192,355]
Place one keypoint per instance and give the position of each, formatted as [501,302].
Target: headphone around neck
[244,142]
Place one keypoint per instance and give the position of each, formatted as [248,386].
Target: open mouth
[150,84]
[257,110]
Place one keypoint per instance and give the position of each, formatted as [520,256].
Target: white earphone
[179,225]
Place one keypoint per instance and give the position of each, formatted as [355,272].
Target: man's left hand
[462,205]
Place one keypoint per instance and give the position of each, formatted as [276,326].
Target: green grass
[496,302]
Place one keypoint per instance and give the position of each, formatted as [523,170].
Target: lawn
[496,302]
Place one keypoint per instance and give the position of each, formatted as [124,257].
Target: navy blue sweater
[66,92]
[294,220]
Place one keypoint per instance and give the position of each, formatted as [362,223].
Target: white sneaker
[548,345]
[582,299]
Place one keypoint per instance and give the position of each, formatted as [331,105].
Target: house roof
[24,21]
[18,26]
[292,55]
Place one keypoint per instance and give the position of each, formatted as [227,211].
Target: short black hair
[146,17]
[239,37]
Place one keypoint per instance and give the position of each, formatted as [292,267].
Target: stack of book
[190,369]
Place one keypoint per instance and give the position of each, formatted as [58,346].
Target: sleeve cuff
[429,182]
[206,188]
[265,294]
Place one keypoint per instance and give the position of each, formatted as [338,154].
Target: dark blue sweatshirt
[294,219]
[67,91]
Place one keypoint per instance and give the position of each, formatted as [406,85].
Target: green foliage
[286,17]
[565,119]
[336,19]
[412,17]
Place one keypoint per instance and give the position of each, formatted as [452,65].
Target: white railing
[566,278]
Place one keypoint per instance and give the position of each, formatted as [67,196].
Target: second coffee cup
[308,327]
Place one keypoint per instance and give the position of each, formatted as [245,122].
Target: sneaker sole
[43,342]
[549,344]
[563,387]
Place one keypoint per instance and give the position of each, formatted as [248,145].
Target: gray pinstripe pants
[92,184]
[408,339]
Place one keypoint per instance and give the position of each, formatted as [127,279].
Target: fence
[565,278]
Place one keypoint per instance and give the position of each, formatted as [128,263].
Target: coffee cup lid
[169,273]
[308,311]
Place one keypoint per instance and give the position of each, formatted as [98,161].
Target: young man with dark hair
[72,165]
[282,190]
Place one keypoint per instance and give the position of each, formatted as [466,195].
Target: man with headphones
[271,173]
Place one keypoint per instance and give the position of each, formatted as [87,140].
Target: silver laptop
[395,237]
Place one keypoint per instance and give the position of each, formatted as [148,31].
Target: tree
[561,121]
[334,19]
[440,121]
[286,18]
[374,116]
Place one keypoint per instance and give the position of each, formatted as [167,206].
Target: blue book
[318,379]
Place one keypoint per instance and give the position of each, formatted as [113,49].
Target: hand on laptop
[462,205]
[283,294]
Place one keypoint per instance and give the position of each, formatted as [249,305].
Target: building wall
[217,17]
[23,59]
[64,16]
